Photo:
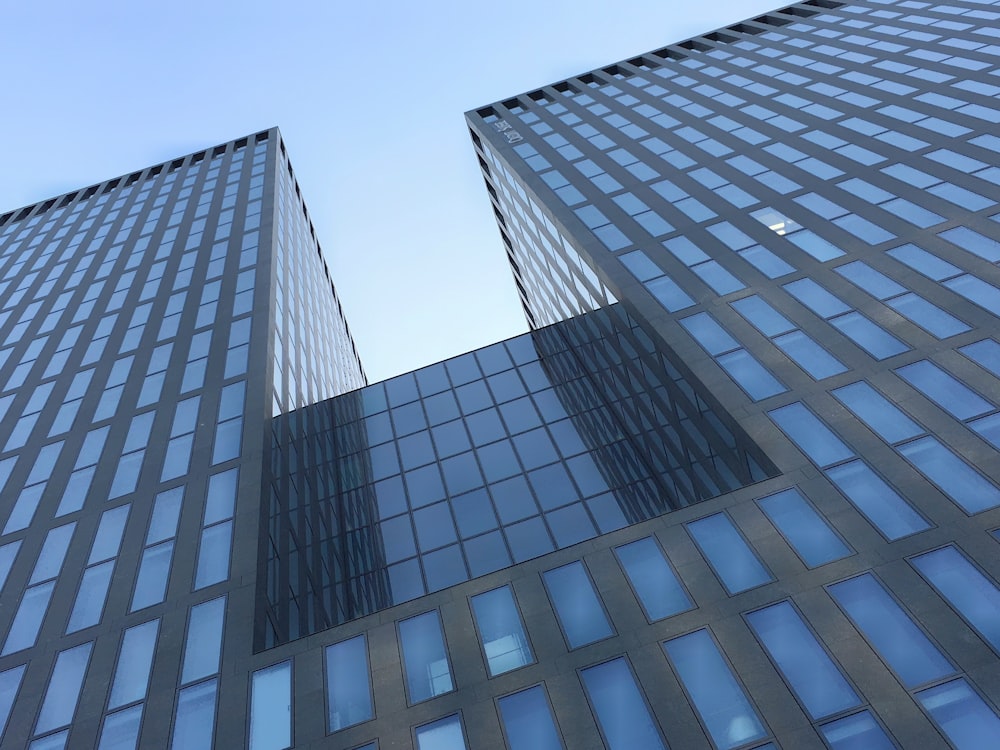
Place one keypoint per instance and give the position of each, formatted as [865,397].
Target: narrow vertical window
[121,729]
[720,701]
[963,716]
[810,536]
[64,689]
[443,734]
[427,670]
[802,661]
[501,631]
[728,553]
[349,695]
[892,633]
[653,580]
[203,646]
[577,605]
[271,708]
[620,708]
[975,596]
[10,683]
[527,721]
[135,660]
[194,722]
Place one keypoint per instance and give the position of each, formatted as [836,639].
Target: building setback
[737,488]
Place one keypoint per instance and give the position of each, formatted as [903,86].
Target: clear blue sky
[369,97]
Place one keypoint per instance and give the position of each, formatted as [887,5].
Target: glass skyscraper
[737,488]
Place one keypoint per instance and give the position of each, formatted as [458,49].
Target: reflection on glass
[425,656]
[856,732]
[64,689]
[621,711]
[658,589]
[528,722]
[504,641]
[349,697]
[444,734]
[717,696]
[203,646]
[729,555]
[577,605]
[121,729]
[806,531]
[271,708]
[802,661]
[134,663]
[965,718]
[194,722]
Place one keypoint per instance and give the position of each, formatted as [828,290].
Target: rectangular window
[962,715]
[884,508]
[577,605]
[970,592]
[891,631]
[720,701]
[728,553]
[856,731]
[271,708]
[349,695]
[63,691]
[194,722]
[813,437]
[969,489]
[802,661]
[443,734]
[621,710]
[527,721]
[135,660]
[810,536]
[425,656]
[203,647]
[501,632]
[121,729]
[10,683]
[652,579]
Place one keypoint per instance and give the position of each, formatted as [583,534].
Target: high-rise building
[737,488]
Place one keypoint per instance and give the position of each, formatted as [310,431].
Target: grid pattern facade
[803,207]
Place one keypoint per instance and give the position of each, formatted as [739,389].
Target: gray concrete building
[736,489]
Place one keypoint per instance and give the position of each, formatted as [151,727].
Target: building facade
[737,488]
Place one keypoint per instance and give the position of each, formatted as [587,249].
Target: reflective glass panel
[965,718]
[444,734]
[620,708]
[728,553]
[271,708]
[527,721]
[349,697]
[503,639]
[652,578]
[807,532]
[425,657]
[577,605]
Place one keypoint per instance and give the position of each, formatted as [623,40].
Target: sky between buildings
[369,97]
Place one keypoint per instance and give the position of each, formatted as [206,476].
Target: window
[577,605]
[501,632]
[443,734]
[349,696]
[976,597]
[271,708]
[810,536]
[802,661]
[884,508]
[728,553]
[653,580]
[718,698]
[527,721]
[963,716]
[426,659]
[621,711]
[813,437]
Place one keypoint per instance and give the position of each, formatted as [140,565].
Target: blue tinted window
[970,490]
[930,317]
[809,355]
[858,731]
[621,711]
[964,717]
[717,696]
[527,721]
[577,605]
[194,722]
[443,734]
[802,661]
[813,437]
[10,682]
[134,663]
[876,500]
[349,697]
[869,336]
[271,708]
[975,596]
[890,630]
[985,353]
[425,657]
[658,589]
[945,390]
[804,528]
[64,689]
[728,554]
[875,410]
[750,374]
[504,641]
[203,647]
